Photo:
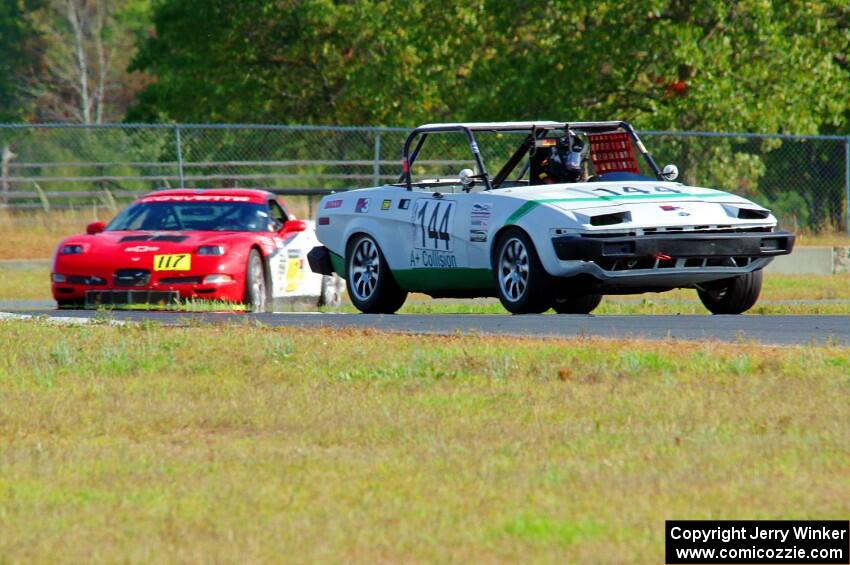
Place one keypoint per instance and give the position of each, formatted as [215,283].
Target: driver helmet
[564,163]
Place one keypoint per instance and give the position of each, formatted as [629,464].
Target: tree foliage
[17,57]
[85,47]
[704,64]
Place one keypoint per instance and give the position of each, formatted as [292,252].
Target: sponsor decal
[481,208]
[428,258]
[479,236]
[333,204]
[174,262]
[404,204]
[362,206]
[386,204]
[479,214]
[196,198]
[669,208]
[141,249]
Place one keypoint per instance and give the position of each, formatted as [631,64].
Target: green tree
[85,46]
[311,61]
[708,64]
[18,58]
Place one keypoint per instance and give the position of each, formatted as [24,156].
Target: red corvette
[235,245]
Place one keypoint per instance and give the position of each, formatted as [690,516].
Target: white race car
[567,218]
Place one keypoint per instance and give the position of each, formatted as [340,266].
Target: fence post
[179,155]
[6,157]
[376,166]
[847,184]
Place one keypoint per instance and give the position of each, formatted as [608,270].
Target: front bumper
[153,290]
[672,246]
[664,261]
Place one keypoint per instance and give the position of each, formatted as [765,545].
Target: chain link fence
[805,180]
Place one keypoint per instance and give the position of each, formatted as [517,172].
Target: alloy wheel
[513,269]
[365,268]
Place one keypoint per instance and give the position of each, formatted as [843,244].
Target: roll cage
[536,131]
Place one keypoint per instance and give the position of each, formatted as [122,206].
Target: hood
[149,242]
[577,196]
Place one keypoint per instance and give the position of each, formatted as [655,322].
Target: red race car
[235,245]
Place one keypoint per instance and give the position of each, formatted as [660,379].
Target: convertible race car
[569,216]
[234,245]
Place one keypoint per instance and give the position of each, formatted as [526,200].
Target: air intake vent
[132,277]
[171,238]
[134,238]
[751,214]
[610,219]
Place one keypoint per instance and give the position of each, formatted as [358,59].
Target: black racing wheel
[522,282]
[371,286]
[732,296]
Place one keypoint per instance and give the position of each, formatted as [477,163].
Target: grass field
[242,443]
[778,293]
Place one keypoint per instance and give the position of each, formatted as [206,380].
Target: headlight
[213,279]
[76,279]
[71,249]
[210,250]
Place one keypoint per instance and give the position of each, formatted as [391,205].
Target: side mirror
[467,178]
[670,172]
[95,227]
[293,226]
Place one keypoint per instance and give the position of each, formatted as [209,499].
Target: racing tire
[732,296]
[370,283]
[69,303]
[582,304]
[256,297]
[522,282]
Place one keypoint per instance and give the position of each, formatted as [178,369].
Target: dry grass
[34,235]
[829,239]
[237,443]
[29,235]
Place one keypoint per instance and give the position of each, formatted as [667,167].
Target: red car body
[149,265]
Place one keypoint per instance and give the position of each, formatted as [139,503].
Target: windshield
[192,216]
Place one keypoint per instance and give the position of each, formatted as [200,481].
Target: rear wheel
[522,282]
[256,291]
[371,286]
[732,296]
[580,304]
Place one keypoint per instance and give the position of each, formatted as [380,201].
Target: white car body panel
[291,276]
[477,216]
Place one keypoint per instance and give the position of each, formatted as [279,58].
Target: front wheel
[371,286]
[256,291]
[732,296]
[582,304]
[522,282]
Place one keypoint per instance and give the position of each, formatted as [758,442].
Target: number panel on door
[432,224]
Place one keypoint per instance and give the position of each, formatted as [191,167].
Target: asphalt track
[781,330]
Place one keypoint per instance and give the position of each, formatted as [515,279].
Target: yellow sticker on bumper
[176,262]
